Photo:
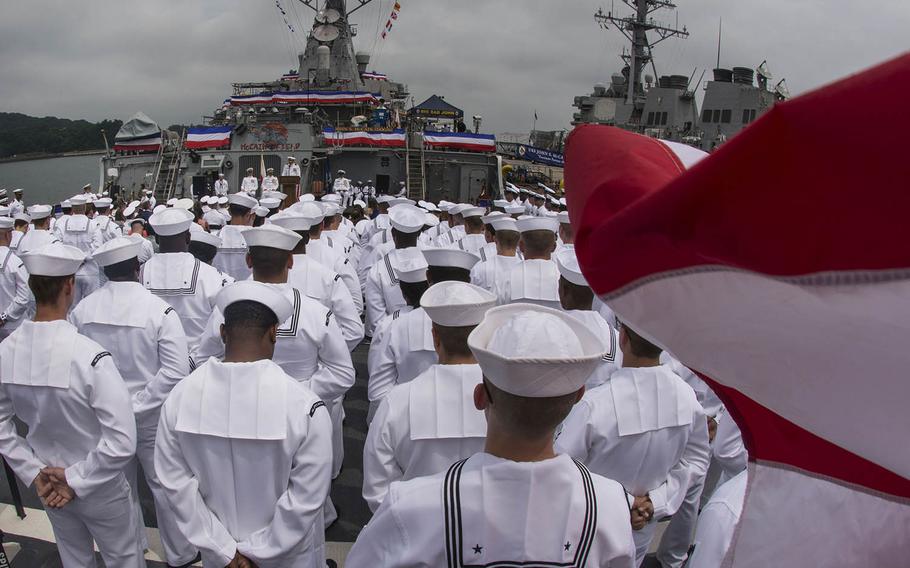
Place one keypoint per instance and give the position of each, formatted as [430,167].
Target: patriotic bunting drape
[393,139]
[778,268]
[305,97]
[460,141]
[214,137]
[396,9]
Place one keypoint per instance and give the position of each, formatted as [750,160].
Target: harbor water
[51,180]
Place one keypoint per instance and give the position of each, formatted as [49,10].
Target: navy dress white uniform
[567,263]
[534,281]
[178,278]
[221,186]
[106,226]
[81,232]
[382,294]
[489,273]
[292,168]
[422,426]
[645,429]
[321,284]
[34,239]
[15,297]
[249,184]
[406,347]
[66,389]
[231,257]
[490,511]
[322,251]
[146,339]
[244,454]
[717,523]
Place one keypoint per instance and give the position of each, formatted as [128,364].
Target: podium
[289,186]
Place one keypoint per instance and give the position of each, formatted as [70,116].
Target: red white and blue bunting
[305,98]
[385,139]
[214,137]
[149,143]
[372,75]
[460,141]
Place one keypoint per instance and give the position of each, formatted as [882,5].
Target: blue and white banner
[540,156]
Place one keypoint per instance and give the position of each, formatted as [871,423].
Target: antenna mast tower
[636,29]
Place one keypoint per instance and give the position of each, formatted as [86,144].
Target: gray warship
[668,109]
[332,113]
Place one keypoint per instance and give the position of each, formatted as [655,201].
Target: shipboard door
[382,184]
[476,178]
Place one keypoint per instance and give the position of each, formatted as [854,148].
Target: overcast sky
[176,59]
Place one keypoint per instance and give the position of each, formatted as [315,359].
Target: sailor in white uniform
[405,349]
[146,339]
[175,276]
[319,282]
[488,273]
[292,168]
[269,182]
[221,186]
[250,184]
[535,279]
[474,238]
[456,226]
[16,206]
[382,294]
[566,235]
[231,257]
[322,251]
[40,234]
[81,431]
[244,450]
[15,297]
[518,502]
[422,426]
[577,298]
[488,250]
[379,223]
[108,228]
[342,185]
[81,232]
[402,189]
[645,429]
[717,522]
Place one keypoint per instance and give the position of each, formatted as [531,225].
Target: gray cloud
[176,59]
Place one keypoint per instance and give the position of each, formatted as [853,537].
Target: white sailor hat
[170,221]
[129,210]
[298,219]
[79,200]
[271,236]
[117,250]
[533,351]
[171,202]
[103,203]
[456,304]
[243,200]
[554,201]
[546,189]
[512,189]
[148,191]
[331,198]
[18,190]
[205,237]
[342,172]
[401,201]
[500,203]
[196,228]
[223,200]
[270,202]
[430,220]
[329,209]
[38,212]
[458,208]
[407,218]
[185,203]
[504,223]
[260,211]
[2,192]
[206,199]
[6,223]
[569,268]
[360,203]
[55,259]
[563,218]
[473,212]
[214,218]
[249,170]
[428,206]
[280,196]
[87,186]
[66,204]
[292,158]
[454,258]
[252,291]
[492,216]
[383,199]
[269,170]
[23,217]
[221,174]
[411,268]
[445,205]
[529,223]
[307,197]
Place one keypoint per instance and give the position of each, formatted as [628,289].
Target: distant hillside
[22,134]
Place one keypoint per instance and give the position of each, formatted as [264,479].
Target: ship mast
[636,29]
[314,5]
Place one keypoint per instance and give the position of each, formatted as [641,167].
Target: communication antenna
[326,33]
[720,27]
[314,5]
[636,28]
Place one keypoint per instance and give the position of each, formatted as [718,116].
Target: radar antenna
[636,28]
[314,6]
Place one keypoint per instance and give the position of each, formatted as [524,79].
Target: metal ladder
[415,170]
[173,170]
